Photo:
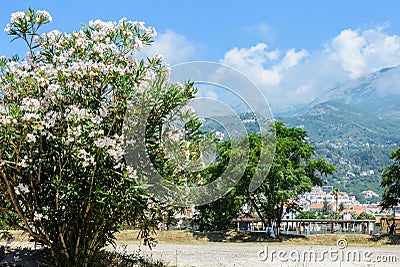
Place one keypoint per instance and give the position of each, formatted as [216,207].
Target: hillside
[355,125]
[359,144]
[377,93]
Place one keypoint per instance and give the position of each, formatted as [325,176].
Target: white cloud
[361,53]
[176,48]
[297,76]
[347,49]
[261,64]
[255,55]
[292,58]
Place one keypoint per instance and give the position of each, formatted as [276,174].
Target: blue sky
[295,49]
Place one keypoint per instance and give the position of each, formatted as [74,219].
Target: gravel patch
[261,254]
[254,254]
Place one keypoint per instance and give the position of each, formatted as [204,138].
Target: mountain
[355,126]
[377,93]
[357,143]
[342,123]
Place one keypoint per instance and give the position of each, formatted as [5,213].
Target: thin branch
[18,209]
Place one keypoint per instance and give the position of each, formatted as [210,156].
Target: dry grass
[187,237]
[331,240]
[352,240]
[178,237]
[18,236]
[131,236]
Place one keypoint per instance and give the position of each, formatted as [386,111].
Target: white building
[318,196]
[369,194]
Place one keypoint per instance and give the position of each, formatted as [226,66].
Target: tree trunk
[279,219]
[258,210]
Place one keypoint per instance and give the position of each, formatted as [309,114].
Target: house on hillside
[369,194]
[316,207]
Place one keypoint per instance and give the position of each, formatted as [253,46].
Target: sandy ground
[263,254]
[255,254]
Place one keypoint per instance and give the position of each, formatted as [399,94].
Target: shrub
[64,178]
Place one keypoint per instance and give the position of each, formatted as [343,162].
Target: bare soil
[184,248]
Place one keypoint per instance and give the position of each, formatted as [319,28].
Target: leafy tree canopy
[293,172]
[391,182]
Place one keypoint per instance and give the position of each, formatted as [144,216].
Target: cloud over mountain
[297,76]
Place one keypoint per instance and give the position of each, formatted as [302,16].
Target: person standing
[392,230]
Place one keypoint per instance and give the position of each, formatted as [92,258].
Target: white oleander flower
[30,104]
[21,188]
[31,138]
[38,216]
[15,17]
[44,15]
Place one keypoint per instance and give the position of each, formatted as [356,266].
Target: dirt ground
[237,249]
[212,254]
[266,254]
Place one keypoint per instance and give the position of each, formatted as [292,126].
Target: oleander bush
[64,178]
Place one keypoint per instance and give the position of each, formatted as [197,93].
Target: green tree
[391,182]
[365,216]
[354,215]
[220,214]
[334,215]
[306,215]
[293,172]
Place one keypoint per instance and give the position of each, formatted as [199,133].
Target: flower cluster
[114,146]
[88,160]
[30,104]
[30,17]
[43,15]
[39,216]
[71,72]
[21,188]
[68,90]
[17,16]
